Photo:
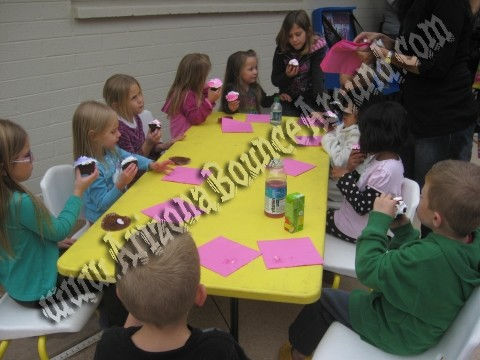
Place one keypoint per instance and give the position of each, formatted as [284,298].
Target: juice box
[294,207]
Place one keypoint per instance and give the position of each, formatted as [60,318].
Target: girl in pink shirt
[189,100]
[383,128]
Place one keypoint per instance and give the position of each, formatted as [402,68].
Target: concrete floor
[260,342]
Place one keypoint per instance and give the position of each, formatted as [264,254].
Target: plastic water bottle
[276,112]
[275,189]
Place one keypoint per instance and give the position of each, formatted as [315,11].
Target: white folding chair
[17,322]
[57,186]
[339,255]
[458,343]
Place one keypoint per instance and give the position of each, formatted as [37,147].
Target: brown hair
[12,140]
[191,75]
[162,290]
[453,189]
[235,63]
[115,93]
[90,115]
[302,20]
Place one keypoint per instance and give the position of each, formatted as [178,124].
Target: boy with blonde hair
[419,285]
[159,292]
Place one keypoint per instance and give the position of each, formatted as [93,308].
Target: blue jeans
[428,151]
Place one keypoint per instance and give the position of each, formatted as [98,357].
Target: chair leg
[336,281]
[42,348]
[3,347]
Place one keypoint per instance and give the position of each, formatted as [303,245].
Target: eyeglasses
[26,159]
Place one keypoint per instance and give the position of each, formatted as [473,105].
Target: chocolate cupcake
[127,161]
[85,164]
[115,222]
[180,160]
[154,125]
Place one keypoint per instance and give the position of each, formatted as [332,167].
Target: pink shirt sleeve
[196,114]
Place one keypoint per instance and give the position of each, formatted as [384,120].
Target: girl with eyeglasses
[28,233]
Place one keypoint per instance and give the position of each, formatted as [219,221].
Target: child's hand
[154,137]
[162,167]
[285,97]
[338,172]
[385,204]
[291,71]
[126,176]
[233,105]
[213,96]
[83,182]
[356,158]
[399,221]
[66,243]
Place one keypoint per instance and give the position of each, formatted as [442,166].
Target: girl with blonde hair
[124,94]
[95,135]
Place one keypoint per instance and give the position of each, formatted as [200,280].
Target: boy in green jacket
[419,285]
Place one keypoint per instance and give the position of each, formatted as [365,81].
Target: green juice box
[294,207]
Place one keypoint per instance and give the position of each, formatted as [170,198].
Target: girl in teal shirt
[28,233]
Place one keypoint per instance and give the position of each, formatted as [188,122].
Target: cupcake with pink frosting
[232,96]
[214,84]
[293,62]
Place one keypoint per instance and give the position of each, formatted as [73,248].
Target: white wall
[50,61]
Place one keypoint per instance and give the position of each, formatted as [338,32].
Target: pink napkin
[185,175]
[310,121]
[225,256]
[295,167]
[234,126]
[309,140]
[342,57]
[156,212]
[258,118]
[289,253]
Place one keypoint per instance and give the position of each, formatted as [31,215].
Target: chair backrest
[411,196]
[57,186]
[338,20]
[463,336]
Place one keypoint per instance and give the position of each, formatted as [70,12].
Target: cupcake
[85,164]
[293,62]
[154,125]
[180,160]
[127,161]
[232,96]
[115,222]
[356,147]
[214,84]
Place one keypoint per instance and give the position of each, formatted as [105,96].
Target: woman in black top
[432,52]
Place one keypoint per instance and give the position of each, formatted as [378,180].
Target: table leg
[234,318]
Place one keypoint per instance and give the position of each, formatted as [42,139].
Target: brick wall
[50,61]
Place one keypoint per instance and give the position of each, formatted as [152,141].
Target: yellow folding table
[240,219]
